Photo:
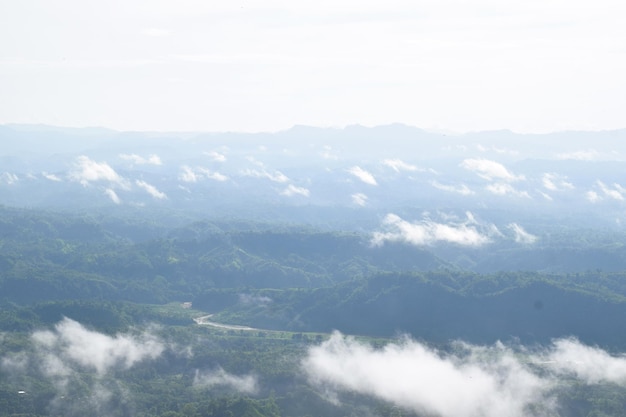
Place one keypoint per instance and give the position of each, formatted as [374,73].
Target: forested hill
[311,280]
[445,306]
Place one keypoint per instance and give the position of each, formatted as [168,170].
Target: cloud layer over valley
[468,380]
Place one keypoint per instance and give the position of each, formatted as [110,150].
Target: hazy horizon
[531,67]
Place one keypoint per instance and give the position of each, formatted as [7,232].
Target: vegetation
[292,285]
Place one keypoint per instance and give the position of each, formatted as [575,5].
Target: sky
[189,65]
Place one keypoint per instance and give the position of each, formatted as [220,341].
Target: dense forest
[126,315]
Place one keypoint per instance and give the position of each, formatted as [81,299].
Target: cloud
[190,175]
[399,165]
[292,190]
[359,199]
[112,195]
[363,175]
[459,189]
[427,232]
[139,160]
[490,170]
[187,175]
[86,171]
[592,196]
[216,156]
[588,155]
[546,196]
[245,384]
[616,193]
[151,189]
[277,176]
[211,175]
[424,380]
[592,365]
[9,178]
[483,381]
[556,182]
[51,177]
[499,188]
[522,236]
[70,345]
[82,363]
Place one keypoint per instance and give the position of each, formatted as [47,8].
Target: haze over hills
[480,191]
[199,274]
[378,170]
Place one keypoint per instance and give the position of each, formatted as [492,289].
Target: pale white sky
[529,66]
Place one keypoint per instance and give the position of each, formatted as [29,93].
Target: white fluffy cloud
[292,190]
[359,199]
[363,175]
[70,345]
[70,352]
[276,176]
[556,182]
[500,188]
[592,365]
[521,235]
[592,196]
[459,189]
[216,156]
[112,195]
[399,165]
[189,174]
[427,232]
[616,192]
[490,170]
[87,170]
[9,178]
[151,189]
[246,384]
[140,160]
[51,177]
[424,380]
[473,381]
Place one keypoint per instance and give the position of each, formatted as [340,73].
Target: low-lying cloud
[556,182]
[140,160]
[472,381]
[276,176]
[216,156]
[188,174]
[293,190]
[363,175]
[490,170]
[87,171]
[500,188]
[151,189]
[521,235]
[427,232]
[70,344]
[616,192]
[458,189]
[51,177]
[9,178]
[113,195]
[359,199]
[399,165]
[72,357]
